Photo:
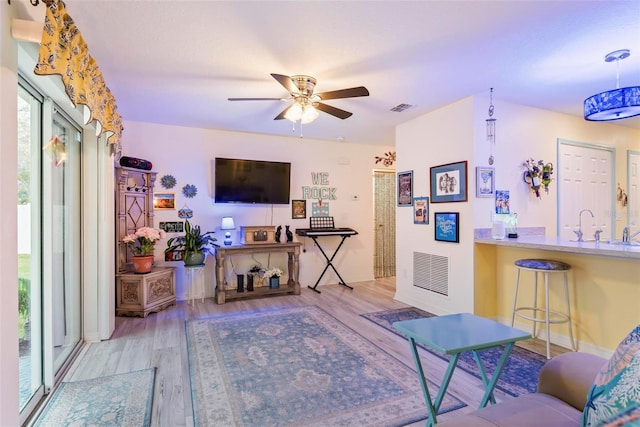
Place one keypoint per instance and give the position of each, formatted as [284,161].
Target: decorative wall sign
[485,181]
[189,191]
[447,227]
[405,188]
[185,212]
[174,256]
[172,227]
[320,208]
[168,181]
[164,200]
[421,210]
[320,188]
[449,183]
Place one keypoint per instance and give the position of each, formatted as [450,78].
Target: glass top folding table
[454,334]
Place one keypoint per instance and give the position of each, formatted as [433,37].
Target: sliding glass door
[49,244]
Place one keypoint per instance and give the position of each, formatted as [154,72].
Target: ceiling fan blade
[257,99]
[286,82]
[353,92]
[337,112]
[283,113]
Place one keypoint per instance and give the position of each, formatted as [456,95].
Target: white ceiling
[176,62]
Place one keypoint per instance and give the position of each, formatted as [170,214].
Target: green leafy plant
[193,242]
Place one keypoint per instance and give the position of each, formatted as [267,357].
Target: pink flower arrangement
[143,241]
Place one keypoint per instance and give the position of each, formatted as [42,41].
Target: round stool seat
[543,264]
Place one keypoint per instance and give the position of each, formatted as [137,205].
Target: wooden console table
[292,286]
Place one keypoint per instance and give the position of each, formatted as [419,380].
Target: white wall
[186,153]
[440,137]
[457,132]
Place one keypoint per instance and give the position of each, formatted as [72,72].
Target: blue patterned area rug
[519,375]
[117,400]
[297,367]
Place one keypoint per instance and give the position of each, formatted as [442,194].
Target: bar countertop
[533,239]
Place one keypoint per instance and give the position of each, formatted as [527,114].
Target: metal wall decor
[388,159]
[189,191]
[168,181]
[491,128]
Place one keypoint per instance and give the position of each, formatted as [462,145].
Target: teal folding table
[454,334]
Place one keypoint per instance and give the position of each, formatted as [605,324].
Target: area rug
[519,375]
[297,367]
[117,400]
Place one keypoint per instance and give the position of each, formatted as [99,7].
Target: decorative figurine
[289,234]
[278,233]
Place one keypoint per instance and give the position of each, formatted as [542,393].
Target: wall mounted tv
[251,181]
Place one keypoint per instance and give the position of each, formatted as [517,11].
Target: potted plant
[194,243]
[143,243]
[273,274]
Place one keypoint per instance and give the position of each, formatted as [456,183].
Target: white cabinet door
[585,178]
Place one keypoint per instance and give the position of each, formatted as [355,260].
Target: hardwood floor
[159,340]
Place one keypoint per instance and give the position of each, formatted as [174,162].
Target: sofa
[574,389]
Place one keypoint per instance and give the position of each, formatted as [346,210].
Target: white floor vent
[431,272]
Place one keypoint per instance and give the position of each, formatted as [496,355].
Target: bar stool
[546,267]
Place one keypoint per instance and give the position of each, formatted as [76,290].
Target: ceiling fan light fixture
[616,104]
[294,113]
[309,114]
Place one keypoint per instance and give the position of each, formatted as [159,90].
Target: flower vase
[142,264]
[274,282]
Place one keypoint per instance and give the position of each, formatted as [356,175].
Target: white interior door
[633,187]
[586,177]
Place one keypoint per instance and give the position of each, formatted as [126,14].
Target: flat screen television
[251,181]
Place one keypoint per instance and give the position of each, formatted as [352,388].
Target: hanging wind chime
[491,128]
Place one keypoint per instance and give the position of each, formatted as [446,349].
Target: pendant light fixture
[616,104]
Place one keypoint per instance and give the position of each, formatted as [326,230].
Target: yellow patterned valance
[63,51]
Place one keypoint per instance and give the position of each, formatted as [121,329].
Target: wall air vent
[431,272]
[401,107]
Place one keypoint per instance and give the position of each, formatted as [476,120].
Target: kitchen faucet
[627,236]
[579,230]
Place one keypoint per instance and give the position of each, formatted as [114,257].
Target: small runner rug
[519,375]
[117,400]
[297,367]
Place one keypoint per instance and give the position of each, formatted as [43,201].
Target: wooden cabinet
[134,209]
[141,294]
[291,287]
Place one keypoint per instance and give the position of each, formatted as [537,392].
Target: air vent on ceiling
[401,107]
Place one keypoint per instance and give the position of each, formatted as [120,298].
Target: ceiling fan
[306,105]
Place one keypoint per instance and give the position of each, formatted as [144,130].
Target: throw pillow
[628,418]
[616,388]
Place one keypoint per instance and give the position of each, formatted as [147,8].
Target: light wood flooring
[159,340]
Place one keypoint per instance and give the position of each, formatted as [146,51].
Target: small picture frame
[421,210]
[405,188]
[449,183]
[502,202]
[485,181]
[298,209]
[164,201]
[447,226]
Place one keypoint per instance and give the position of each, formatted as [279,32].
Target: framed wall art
[447,226]
[405,188]
[485,181]
[449,183]
[164,200]
[298,209]
[421,210]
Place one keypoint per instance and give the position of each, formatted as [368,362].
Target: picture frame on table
[447,226]
[298,209]
[485,181]
[164,201]
[449,183]
[405,188]
[421,210]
